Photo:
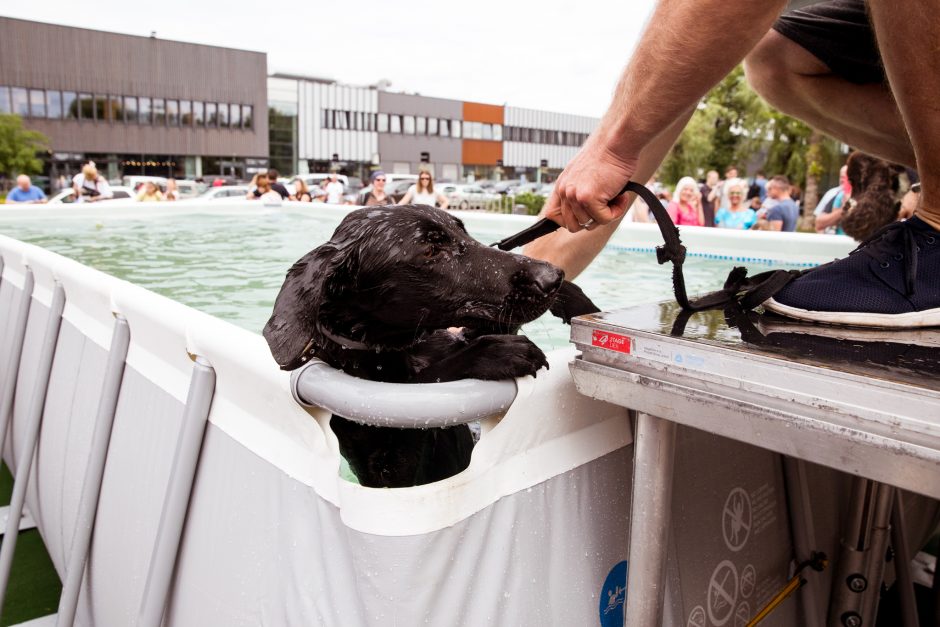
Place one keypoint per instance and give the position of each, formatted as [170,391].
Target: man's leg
[796,82]
[908,34]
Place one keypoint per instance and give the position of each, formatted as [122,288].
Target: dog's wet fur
[874,204]
[403,294]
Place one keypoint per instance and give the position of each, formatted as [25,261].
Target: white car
[223,191]
[67,196]
[468,196]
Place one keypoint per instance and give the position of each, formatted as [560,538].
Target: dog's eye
[431,251]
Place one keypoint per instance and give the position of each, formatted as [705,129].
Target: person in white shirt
[90,186]
[423,193]
[334,190]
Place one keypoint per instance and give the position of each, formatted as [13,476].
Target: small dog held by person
[404,294]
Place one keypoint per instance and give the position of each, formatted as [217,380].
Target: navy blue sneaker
[891,280]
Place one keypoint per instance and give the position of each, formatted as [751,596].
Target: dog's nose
[547,277]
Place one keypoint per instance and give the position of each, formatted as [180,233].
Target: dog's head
[390,274]
[875,184]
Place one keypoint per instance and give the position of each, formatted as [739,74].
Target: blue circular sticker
[614,596]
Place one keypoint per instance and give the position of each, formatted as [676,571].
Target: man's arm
[667,76]
[825,220]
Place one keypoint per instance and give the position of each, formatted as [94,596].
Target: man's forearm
[686,48]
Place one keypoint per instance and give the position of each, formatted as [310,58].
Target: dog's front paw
[507,357]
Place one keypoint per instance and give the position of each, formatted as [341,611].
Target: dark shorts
[839,34]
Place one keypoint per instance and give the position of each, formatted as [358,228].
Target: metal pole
[94,472]
[902,563]
[16,351]
[176,501]
[33,424]
[650,516]
[860,570]
[804,535]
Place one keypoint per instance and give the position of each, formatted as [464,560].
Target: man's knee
[776,64]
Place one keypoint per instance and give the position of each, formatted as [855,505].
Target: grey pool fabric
[533,532]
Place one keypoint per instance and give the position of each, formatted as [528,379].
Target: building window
[130,109]
[86,107]
[212,115]
[432,126]
[488,131]
[455,128]
[409,125]
[101,105]
[173,112]
[70,105]
[394,125]
[445,128]
[199,113]
[37,103]
[247,117]
[54,104]
[159,112]
[20,101]
[235,115]
[498,132]
[421,126]
[383,123]
[143,110]
[5,100]
[186,113]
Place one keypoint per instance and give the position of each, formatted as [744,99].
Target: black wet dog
[403,294]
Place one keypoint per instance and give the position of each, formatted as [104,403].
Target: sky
[553,55]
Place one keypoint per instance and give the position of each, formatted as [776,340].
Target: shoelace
[881,244]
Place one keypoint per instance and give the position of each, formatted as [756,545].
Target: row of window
[419,125]
[56,105]
[543,136]
[408,125]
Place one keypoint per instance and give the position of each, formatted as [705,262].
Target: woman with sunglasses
[377,195]
[423,193]
[736,215]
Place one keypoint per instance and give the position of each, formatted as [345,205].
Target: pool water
[232,266]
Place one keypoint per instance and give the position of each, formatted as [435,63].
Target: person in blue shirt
[783,213]
[25,192]
[736,215]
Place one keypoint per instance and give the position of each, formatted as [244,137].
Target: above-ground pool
[231,263]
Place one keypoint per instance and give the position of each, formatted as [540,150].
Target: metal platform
[865,402]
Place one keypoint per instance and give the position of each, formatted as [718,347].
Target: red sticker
[610,341]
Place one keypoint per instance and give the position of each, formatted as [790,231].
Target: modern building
[319,124]
[135,105]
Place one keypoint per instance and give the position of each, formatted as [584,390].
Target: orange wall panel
[477,112]
[480,152]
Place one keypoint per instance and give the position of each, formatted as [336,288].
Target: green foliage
[732,125]
[532,202]
[19,147]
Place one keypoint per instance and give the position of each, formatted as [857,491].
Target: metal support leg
[94,472]
[902,563]
[16,351]
[860,571]
[651,510]
[804,536]
[33,424]
[176,501]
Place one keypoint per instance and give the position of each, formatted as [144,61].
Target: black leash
[748,291]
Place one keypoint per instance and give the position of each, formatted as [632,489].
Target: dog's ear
[292,328]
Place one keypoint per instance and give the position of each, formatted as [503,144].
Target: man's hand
[592,180]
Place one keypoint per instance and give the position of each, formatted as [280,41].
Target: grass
[34,584]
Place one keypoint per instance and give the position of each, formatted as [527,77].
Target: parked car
[468,196]
[67,196]
[189,189]
[223,191]
[506,186]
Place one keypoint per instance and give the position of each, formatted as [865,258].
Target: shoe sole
[909,320]
[929,338]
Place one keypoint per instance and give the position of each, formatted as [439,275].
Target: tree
[19,147]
